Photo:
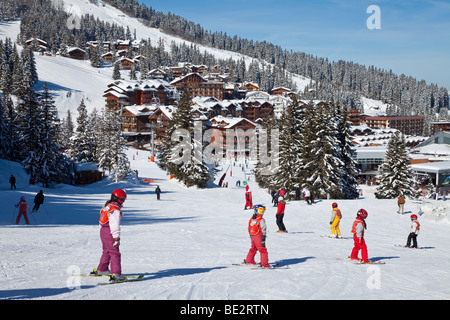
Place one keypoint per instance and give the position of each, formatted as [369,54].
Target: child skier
[22,205]
[280,215]
[336,216]
[359,225]
[414,232]
[110,217]
[248,198]
[257,230]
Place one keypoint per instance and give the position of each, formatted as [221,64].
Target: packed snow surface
[186,243]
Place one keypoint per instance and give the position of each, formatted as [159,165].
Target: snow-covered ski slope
[186,244]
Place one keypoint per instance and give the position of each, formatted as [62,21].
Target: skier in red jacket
[257,230]
[248,199]
[22,205]
[359,225]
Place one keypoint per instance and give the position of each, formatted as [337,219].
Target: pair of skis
[112,279]
[258,266]
[360,261]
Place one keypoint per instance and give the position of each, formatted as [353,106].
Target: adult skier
[22,205]
[414,232]
[336,216]
[110,217]
[248,198]
[359,225]
[280,215]
[158,192]
[257,230]
[38,200]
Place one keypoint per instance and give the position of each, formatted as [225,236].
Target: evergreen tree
[288,159]
[396,177]
[31,128]
[349,173]
[53,165]
[325,178]
[116,71]
[110,148]
[9,142]
[82,147]
[180,157]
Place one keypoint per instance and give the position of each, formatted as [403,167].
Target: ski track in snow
[186,243]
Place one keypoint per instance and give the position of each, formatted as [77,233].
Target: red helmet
[413,217]
[362,213]
[334,205]
[119,196]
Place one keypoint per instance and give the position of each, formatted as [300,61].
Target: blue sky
[414,35]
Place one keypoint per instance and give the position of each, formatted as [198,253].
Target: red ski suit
[22,205]
[248,200]
[257,231]
[358,237]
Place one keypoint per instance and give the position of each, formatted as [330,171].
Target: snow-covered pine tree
[349,172]
[288,159]
[10,131]
[264,173]
[396,177]
[116,71]
[31,128]
[191,169]
[308,140]
[82,146]
[325,161]
[110,153]
[54,166]
[66,132]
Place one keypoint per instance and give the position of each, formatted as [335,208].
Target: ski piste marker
[127,279]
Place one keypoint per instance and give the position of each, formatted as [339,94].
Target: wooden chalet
[239,130]
[108,57]
[162,119]
[197,86]
[281,91]
[127,93]
[87,173]
[77,53]
[36,44]
[126,63]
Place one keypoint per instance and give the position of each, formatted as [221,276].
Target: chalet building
[77,53]
[354,116]
[128,93]
[36,44]
[409,125]
[135,119]
[241,146]
[250,86]
[108,57]
[161,118]
[440,126]
[105,45]
[281,91]
[211,107]
[256,110]
[126,63]
[197,85]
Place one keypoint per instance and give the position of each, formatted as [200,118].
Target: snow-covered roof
[141,110]
[228,123]
[433,167]
[371,153]
[86,167]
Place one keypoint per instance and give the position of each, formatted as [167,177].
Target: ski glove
[263,241]
[116,242]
